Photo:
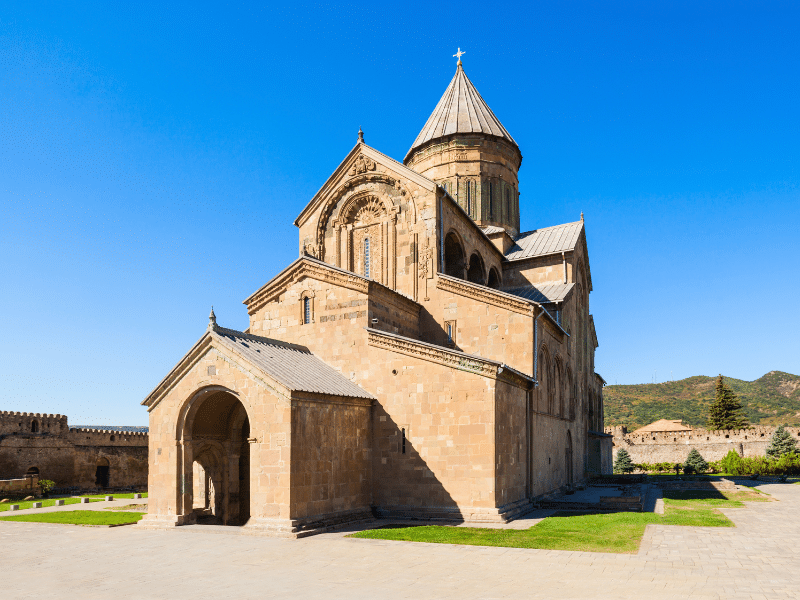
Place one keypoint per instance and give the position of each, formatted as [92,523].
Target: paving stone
[759,558]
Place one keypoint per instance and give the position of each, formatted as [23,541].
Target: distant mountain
[771,400]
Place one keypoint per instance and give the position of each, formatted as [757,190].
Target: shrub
[46,485]
[694,463]
[623,464]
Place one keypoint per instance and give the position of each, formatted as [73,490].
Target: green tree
[726,410]
[695,463]
[623,464]
[781,443]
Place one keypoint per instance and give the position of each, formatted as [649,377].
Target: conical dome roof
[460,110]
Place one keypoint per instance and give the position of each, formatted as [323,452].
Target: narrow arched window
[491,200]
[508,203]
[34,426]
[366,258]
[469,198]
[306,311]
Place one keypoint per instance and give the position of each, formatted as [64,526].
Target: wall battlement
[25,422]
[107,437]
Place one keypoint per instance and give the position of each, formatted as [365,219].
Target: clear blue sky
[153,158]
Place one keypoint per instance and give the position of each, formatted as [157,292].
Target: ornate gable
[365,219]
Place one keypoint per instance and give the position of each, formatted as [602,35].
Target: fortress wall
[674,446]
[70,457]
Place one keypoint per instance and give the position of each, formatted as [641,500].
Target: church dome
[460,110]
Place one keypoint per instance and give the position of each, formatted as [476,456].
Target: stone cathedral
[422,358]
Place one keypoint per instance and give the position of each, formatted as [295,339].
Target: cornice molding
[484,294]
[449,358]
[315,269]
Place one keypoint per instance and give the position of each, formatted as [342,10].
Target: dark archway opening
[34,426]
[494,279]
[219,430]
[476,273]
[453,256]
[102,473]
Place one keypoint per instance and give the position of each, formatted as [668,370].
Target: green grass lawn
[129,507]
[611,532]
[79,517]
[45,502]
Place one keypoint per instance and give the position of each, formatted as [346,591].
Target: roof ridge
[258,338]
[524,233]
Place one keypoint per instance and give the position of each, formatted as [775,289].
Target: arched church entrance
[216,443]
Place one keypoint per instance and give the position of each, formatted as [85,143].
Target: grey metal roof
[460,110]
[292,366]
[542,293]
[549,240]
[490,229]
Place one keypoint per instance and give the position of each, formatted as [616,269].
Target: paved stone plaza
[760,558]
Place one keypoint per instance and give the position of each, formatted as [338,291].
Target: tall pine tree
[623,464]
[726,410]
[781,443]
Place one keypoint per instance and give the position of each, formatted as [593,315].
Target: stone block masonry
[45,446]
[674,446]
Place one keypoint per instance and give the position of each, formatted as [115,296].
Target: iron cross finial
[459,54]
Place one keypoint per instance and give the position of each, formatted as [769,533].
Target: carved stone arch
[476,271]
[355,186]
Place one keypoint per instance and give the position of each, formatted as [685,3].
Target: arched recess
[571,394]
[34,426]
[494,279]
[454,257]
[568,458]
[214,432]
[544,380]
[364,238]
[555,389]
[476,273]
[32,472]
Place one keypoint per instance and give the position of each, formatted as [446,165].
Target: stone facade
[71,457]
[674,446]
[467,402]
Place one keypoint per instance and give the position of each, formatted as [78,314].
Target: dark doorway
[102,474]
[244,474]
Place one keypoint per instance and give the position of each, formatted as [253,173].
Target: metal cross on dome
[459,54]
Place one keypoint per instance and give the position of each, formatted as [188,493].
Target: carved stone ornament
[311,250]
[362,165]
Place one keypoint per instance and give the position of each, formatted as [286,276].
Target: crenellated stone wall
[674,446]
[85,458]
